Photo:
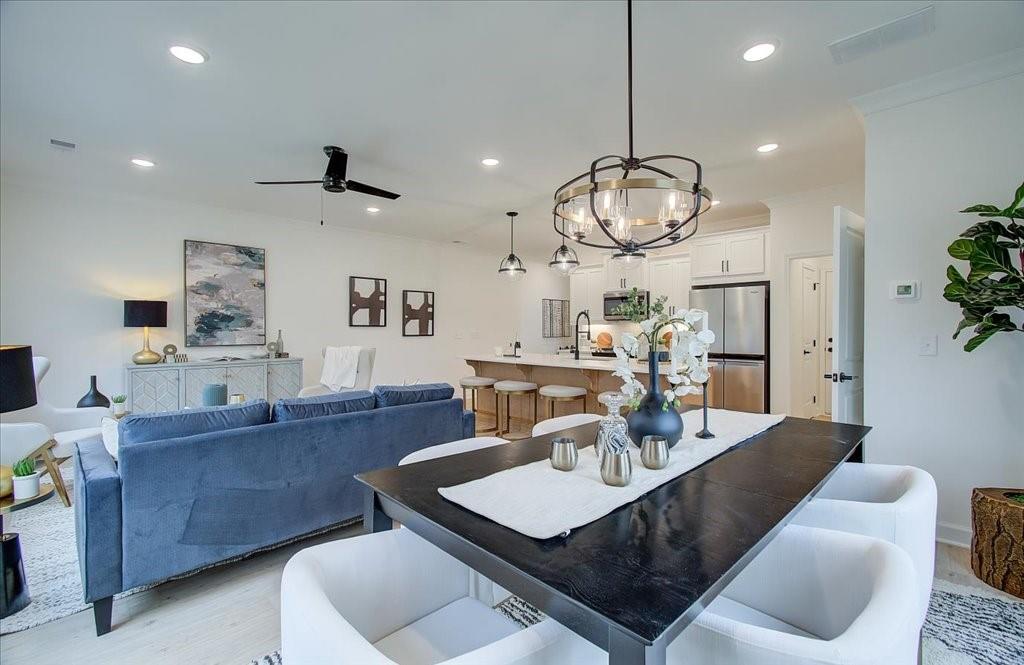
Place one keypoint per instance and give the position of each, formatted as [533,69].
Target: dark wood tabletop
[633,579]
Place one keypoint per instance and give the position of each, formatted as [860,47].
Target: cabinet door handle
[727,265]
[723,265]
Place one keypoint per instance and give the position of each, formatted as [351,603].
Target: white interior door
[809,371]
[848,328]
[825,339]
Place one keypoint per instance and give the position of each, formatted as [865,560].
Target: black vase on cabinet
[94,397]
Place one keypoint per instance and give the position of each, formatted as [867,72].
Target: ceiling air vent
[63,145]
[902,29]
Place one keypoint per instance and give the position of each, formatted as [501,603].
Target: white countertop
[566,361]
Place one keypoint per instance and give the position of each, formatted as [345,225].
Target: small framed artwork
[417,313]
[367,302]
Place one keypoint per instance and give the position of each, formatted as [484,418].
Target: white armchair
[47,433]
[367,600]
[364,374]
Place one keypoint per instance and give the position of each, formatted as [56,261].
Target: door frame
[792,361]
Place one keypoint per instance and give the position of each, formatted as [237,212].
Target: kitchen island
[589,372]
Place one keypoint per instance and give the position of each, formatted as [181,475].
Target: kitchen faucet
[582,313]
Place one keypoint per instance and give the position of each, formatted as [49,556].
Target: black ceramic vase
[94,397]
[651,417]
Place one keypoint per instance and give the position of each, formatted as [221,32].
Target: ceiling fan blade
[354,186]
[289,182]
[336,165]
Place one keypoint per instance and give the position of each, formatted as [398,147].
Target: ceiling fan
[334,177]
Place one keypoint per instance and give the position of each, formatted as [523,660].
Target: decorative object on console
[225,294]
[181,357]
[272,350]
[94,397]
[280,345]
[215,394]
[511,266]
[654,411]
[616,202]
[145,314]
[170,351]
[119,407]
[417,313]
[236,398]
[367,302]
[26,480]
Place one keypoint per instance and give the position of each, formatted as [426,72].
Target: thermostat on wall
[904,290]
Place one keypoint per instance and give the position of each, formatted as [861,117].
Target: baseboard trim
[953,534]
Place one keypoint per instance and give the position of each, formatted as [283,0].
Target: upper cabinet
[586,292]
[730,255]
[670,277]
[620,276]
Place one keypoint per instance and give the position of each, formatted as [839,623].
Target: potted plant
[26,480]
[119,401]
[991,292]
[687,354]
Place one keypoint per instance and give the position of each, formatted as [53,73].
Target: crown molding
[975,73]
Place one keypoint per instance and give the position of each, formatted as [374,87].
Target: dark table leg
[374,519]
[624,650]
[858,453]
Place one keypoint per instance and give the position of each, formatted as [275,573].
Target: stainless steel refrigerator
[738,314]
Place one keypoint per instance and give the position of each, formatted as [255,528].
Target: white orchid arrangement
[687,349]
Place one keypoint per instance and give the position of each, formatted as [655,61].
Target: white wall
[801,225]
[933,149]
[69,258]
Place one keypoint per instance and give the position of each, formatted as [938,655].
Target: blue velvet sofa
[194,488]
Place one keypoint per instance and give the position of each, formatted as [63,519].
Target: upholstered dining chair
[392,597]
[563,422]
[364,374]
[47,433]
[894,503]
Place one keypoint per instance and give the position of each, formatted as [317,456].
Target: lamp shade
[17,380]
[139,313]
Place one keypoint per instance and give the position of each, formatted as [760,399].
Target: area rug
[965,626]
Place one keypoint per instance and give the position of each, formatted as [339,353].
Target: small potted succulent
[119,401]
[26,480]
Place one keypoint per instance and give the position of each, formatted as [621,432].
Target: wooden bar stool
[556,393]
[509,388]
[474,384]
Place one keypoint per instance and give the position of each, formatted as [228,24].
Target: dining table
[631,581]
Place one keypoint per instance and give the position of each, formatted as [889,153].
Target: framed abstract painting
[225,294]
[367,302]
[417,313]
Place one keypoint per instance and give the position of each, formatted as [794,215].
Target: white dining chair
[812,597]
[393,598]
[364,375]
[452,448]
[563,422]
[894,503]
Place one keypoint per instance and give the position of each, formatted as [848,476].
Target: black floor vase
[94,397]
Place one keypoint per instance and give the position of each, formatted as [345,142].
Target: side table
[13,586]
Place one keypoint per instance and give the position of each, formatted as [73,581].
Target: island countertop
[586,361]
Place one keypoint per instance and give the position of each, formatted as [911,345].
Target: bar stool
[556,393]
[475,383]
[509,388]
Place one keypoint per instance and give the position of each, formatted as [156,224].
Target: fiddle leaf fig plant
[993,283]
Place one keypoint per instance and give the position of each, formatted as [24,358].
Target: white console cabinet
[172,386]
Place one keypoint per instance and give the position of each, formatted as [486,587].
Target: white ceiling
[419,92]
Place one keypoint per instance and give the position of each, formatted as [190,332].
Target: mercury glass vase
[613,422]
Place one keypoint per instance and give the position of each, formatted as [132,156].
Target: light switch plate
[928,345]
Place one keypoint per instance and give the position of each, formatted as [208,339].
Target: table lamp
[17,380]
[143,314]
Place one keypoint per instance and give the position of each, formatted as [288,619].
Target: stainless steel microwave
[612,300]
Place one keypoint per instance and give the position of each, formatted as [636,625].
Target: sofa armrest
[469,424]
[97,519]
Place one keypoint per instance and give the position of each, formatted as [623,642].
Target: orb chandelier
[511,266]
[644,207]
[564,261]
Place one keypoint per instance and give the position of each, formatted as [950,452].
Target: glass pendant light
[564,261]
[511,266]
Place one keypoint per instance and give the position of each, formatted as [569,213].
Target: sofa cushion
[299,408]
[420,392]
[173,424]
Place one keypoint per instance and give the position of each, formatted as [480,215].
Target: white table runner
[541,502]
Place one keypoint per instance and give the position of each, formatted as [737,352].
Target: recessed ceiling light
[489,161]
[715,202]
[759,52]
[372,210]
[192,56]
[144,163]
[767,147]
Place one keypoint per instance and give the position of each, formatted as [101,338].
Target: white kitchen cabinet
[586,292]
[670,277]
[729,255]
[620,276]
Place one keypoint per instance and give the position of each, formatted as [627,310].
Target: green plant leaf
[965,322]
[961,248]
[1018,197]
[979,339]
[981,207]
[988,257]
[988,227]
[1016,213]
[954,292]
[954,276]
